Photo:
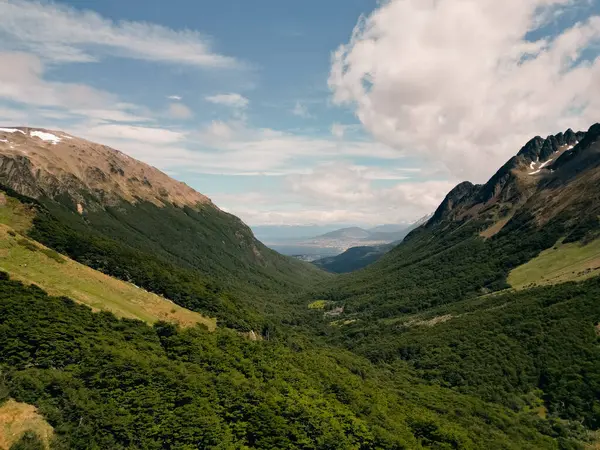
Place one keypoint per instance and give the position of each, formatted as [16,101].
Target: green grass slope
[574,261]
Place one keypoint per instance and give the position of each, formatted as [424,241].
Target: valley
[455,337]
[340,225]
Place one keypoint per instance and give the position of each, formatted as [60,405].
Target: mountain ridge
[78,167]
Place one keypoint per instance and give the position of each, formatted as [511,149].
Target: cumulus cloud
[231,100]
[336,193]
[63,34]
[342,186]
[462,82]
[175,97]
[179,111]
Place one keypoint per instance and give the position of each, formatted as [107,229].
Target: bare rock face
[533,174]
[38,162]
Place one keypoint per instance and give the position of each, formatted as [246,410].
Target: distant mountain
[389,228]
[346,238]
[289,234]
[345,233]
[361,256]
[354,258]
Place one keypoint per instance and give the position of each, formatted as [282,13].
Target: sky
[355,112]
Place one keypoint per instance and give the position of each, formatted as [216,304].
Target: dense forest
[108,383]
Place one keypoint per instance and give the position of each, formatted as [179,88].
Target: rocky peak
[580,151]
[539,149]
[519,178]
[460,194]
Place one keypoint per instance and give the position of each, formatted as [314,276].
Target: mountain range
[134,313]
[355,258]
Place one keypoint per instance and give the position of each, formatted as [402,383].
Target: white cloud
[301,110]
[175,97]
[22,80]
[458,82]
[233,147]
[179,111]
[63,34]
[336,193]
[339,130]
[231,100]
[150,135]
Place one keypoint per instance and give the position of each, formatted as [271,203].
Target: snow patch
[533,173]
[546,163]
[11,130]
[49,137]
[3,140]
[531,165]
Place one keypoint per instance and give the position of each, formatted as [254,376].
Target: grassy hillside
[563,262]
[33,263]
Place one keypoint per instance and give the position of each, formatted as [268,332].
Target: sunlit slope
[563,262]
[16,419]
[31,262]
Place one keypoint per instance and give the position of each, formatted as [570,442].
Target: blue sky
[281,115]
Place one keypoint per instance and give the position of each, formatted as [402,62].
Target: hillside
[131,221]
[443,301]
[108,383]
[354,258]
[31,262]
[480,232]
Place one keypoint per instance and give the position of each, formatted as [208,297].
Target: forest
[108,383]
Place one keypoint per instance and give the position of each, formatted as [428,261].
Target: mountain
[548,191]
[356,258]
[532,174]
[388,228]
[495,295]
[282,234]
[118,215]
[345,238]
[345,233]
